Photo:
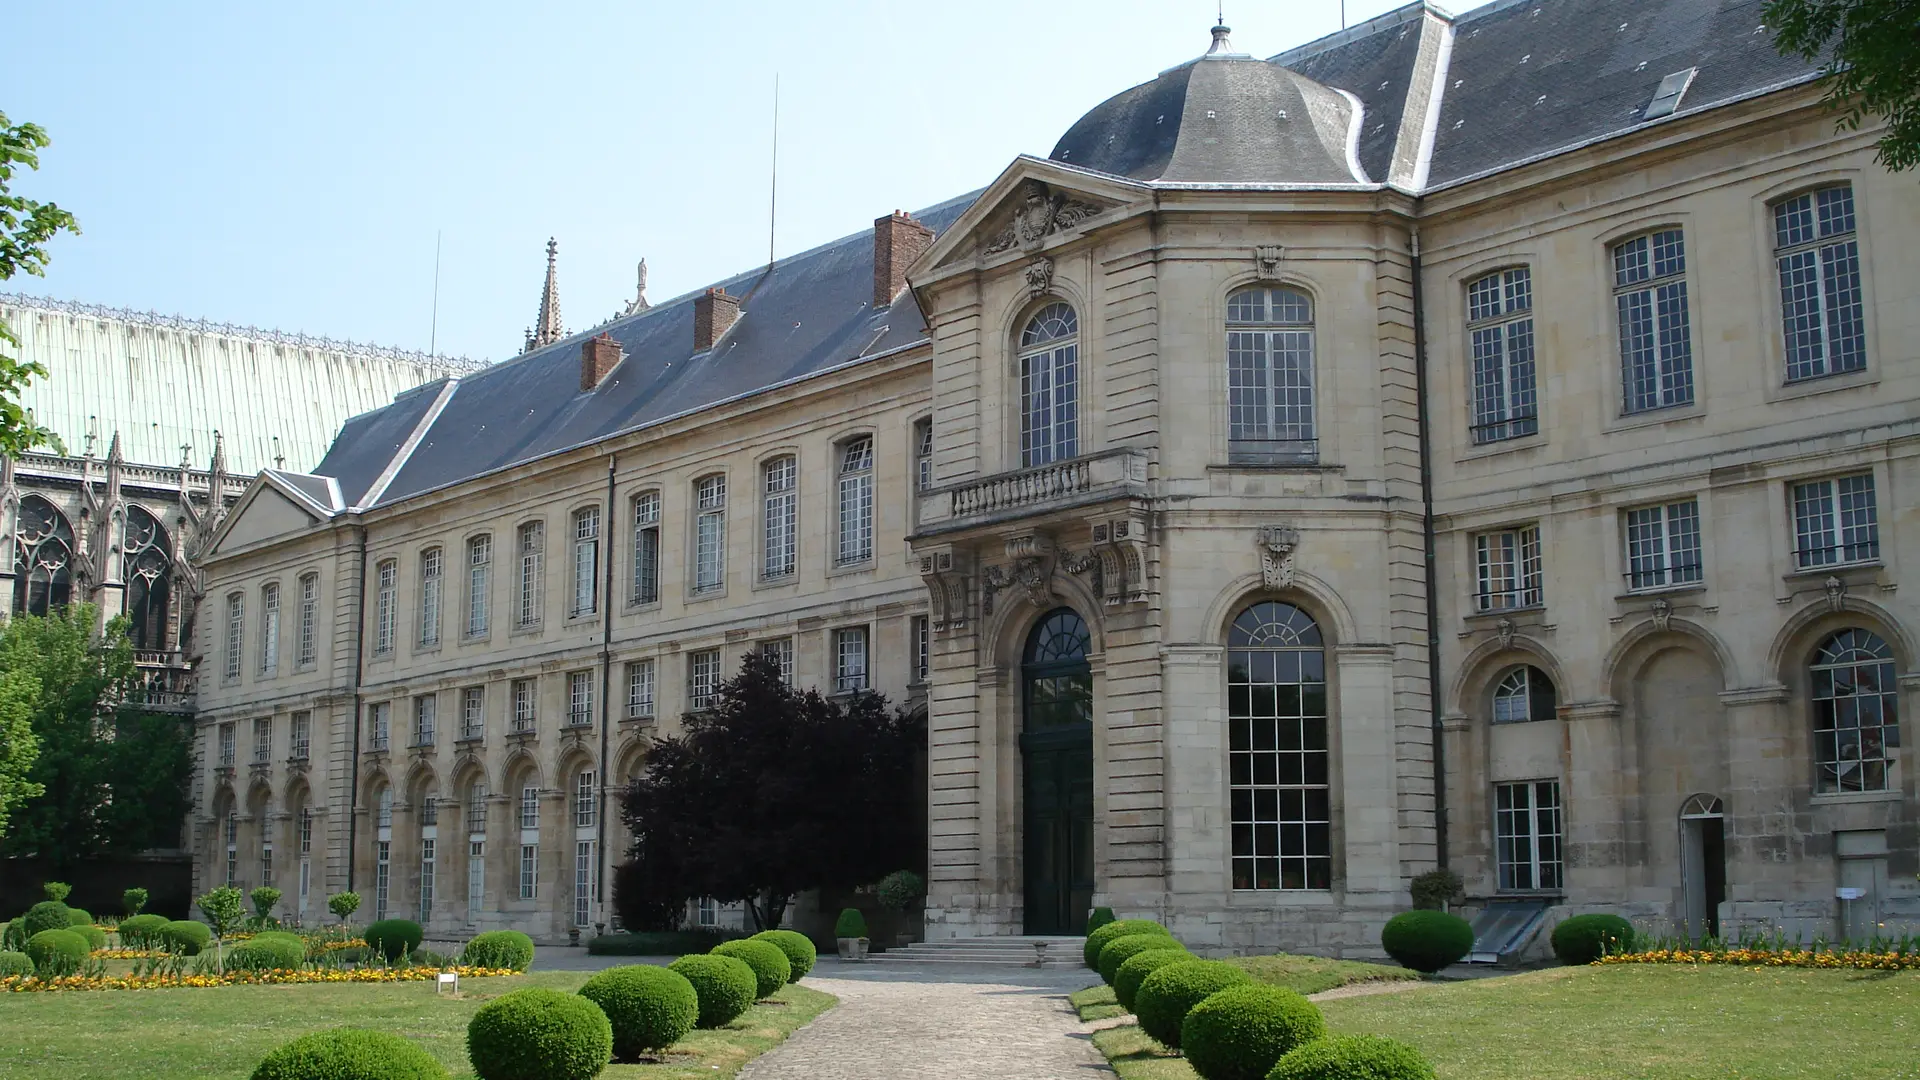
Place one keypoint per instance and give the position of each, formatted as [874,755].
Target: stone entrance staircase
[1061,952]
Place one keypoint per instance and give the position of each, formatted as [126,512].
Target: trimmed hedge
[1124,948]
[139,931]
[57,952]
[539,1034]
[650,1008]
[45,915]
[96,937]
[768,961]
[15,963]
[850,924]
[1240,1032]
[801,954]
[499,949]
[349,1054]
[80,916]
[1126,981]
[394,938]
[724,984]
[186,936]
[1353,1057]
[1586,938]
[1097,939]
[1166,996]
[659,942]
[1426,941]
[269,952]
[1098,918]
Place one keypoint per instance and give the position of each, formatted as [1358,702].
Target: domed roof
[1224,118]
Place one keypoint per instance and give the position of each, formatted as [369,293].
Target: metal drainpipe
[1433,586]
[606,709]
[359,657]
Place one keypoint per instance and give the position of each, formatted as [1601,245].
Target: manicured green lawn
[225,1031]
[1627,1022]
[1307,974]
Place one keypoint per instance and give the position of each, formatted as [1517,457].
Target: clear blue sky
[288,165]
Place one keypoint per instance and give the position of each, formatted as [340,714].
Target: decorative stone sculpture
[1277,544]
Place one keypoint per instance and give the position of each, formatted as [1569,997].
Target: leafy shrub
[1426,941]
[428,958]
[1353,1057]
[1166,996]
[138,931]
[768,961]
[509,949]
[799,949]
[186,937]
[1127,980]
[1098,918]
[264,898]
[343,904]
[539,1034]
[45,915]
[57,952]
[1124,948]
[1097,939]
[394,938]
[902,889]
[1240,1032]
[659,942]
[56,891]
[15,963]
[1586,938]
[96,937]
[133,900]
[14,936]
[850,924]
[725,986]
[269,952]
[349,1054]
[1435,889]
[79,916]
[650,1008]
[223,907]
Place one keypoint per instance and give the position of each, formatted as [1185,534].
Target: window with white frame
[856,501]
[1270,355]
[227,751]
[300,736]
[382,877]
[706,912]
[529,871]
[586,562]
[305,837]
[1524,695]
[386,584]
[233,848]
[1656,332]
[430,810]
[266,858]
[479,583]
[579,698]
[262,740]
[383,809]
[432,581]
[850,659]
[523,705]
[780,513]
[473,712]
[710,533]
[477,808]
[1050,386]
[1856,728]
[923,453]
[1506,403]
[476,877]
[646,547]
[428,854]
[1280,801]
[1507,569]
[236,628]
[529,807]
[582,881]
[1835,521]
[922,649]
[533,550]
[307,644]
[1822,312]
[703,678]
[1663,545]
[270,628]
[781,650]
[426,715]
[1527,830]
[640,689]
[583,800]
[379,725]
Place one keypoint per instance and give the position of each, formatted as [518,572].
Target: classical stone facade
[1440,444]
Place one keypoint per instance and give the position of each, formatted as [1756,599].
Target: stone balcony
[1038,492]
[163,682]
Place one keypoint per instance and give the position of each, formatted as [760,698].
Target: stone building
[1474,440]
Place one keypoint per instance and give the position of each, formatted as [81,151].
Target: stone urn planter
[853,948]
[850,934]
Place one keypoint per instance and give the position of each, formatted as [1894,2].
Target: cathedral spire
[547,329]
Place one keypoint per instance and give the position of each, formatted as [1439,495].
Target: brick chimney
[713,313]
[897,241]
[598,357]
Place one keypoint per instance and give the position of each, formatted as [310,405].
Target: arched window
[43,561]
[1281,802]
[1270,377]
[1524,694]
[148,569]
[1855,723]
[780,511]
[1049,386]
[1059,683]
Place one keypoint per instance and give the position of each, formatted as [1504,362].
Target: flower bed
[1855,959]
[24,984]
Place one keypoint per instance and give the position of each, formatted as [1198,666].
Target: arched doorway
[1056,745]
[1703,864]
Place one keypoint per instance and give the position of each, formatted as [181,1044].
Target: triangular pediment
[1033,205]
[271,509]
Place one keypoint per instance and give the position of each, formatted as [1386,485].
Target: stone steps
[987,951]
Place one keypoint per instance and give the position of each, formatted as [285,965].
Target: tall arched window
[1282,810]
[148,569]
[1057,761]
[1049,386]
[43,561]
[1270,377]
[476,804]
[1059,682]
[1856,727]
[1524,694]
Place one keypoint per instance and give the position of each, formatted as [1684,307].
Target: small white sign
[447,981]
[1849,894]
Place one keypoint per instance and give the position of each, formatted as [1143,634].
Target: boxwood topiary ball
[1586,938]
[725,986]
[270,952]
[650,1008]
[799,949]
[768,961]
[1346,1057]
[15,963]
[96,937]
[349,1054]
[1097,939]
[1121,949]
[186,937]
[1126,981]
[1426,941]
[137,932]
[45,915]
[79,916]
[1098,918]
[394,938]
[539,1034]
[1165,997]
[509,949]
[1240,1032]
[57,952]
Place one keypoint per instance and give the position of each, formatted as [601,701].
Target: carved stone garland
[1041,211]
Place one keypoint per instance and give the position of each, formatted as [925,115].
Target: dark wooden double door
[1056,750]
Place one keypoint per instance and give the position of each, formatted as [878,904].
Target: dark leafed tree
[1872,54]
[25,227]
[770,793]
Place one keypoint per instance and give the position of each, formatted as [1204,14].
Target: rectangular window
[429,810]
[523,705]
[473,712]
[781,649]
[308,645]
[1500,335]
[1835,521]
[379,717]
[233,848]
[1049,388]
[1527,835]
[269,629]
[583,801]
[850,659]
[262,740]
[266,862]
[586,562]
[582,882]
[646,548]
[306,857]
[703,678]
[1663,545]
[301,736]
[227,751]
[580,699]
[427,845]
[236,627]
[479,582]
[1270,358]
[533,546]
[386,577]
[781,511]
[639,689]
[529,868]
[706,912]
[1656,333]
[1508,566]
[431,576]
[529,807]
[1818,255]
[922,650]
[476,878]
[426,710]
[923,453]
[477,810]
[710,534]
[856,501]
[382,874]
